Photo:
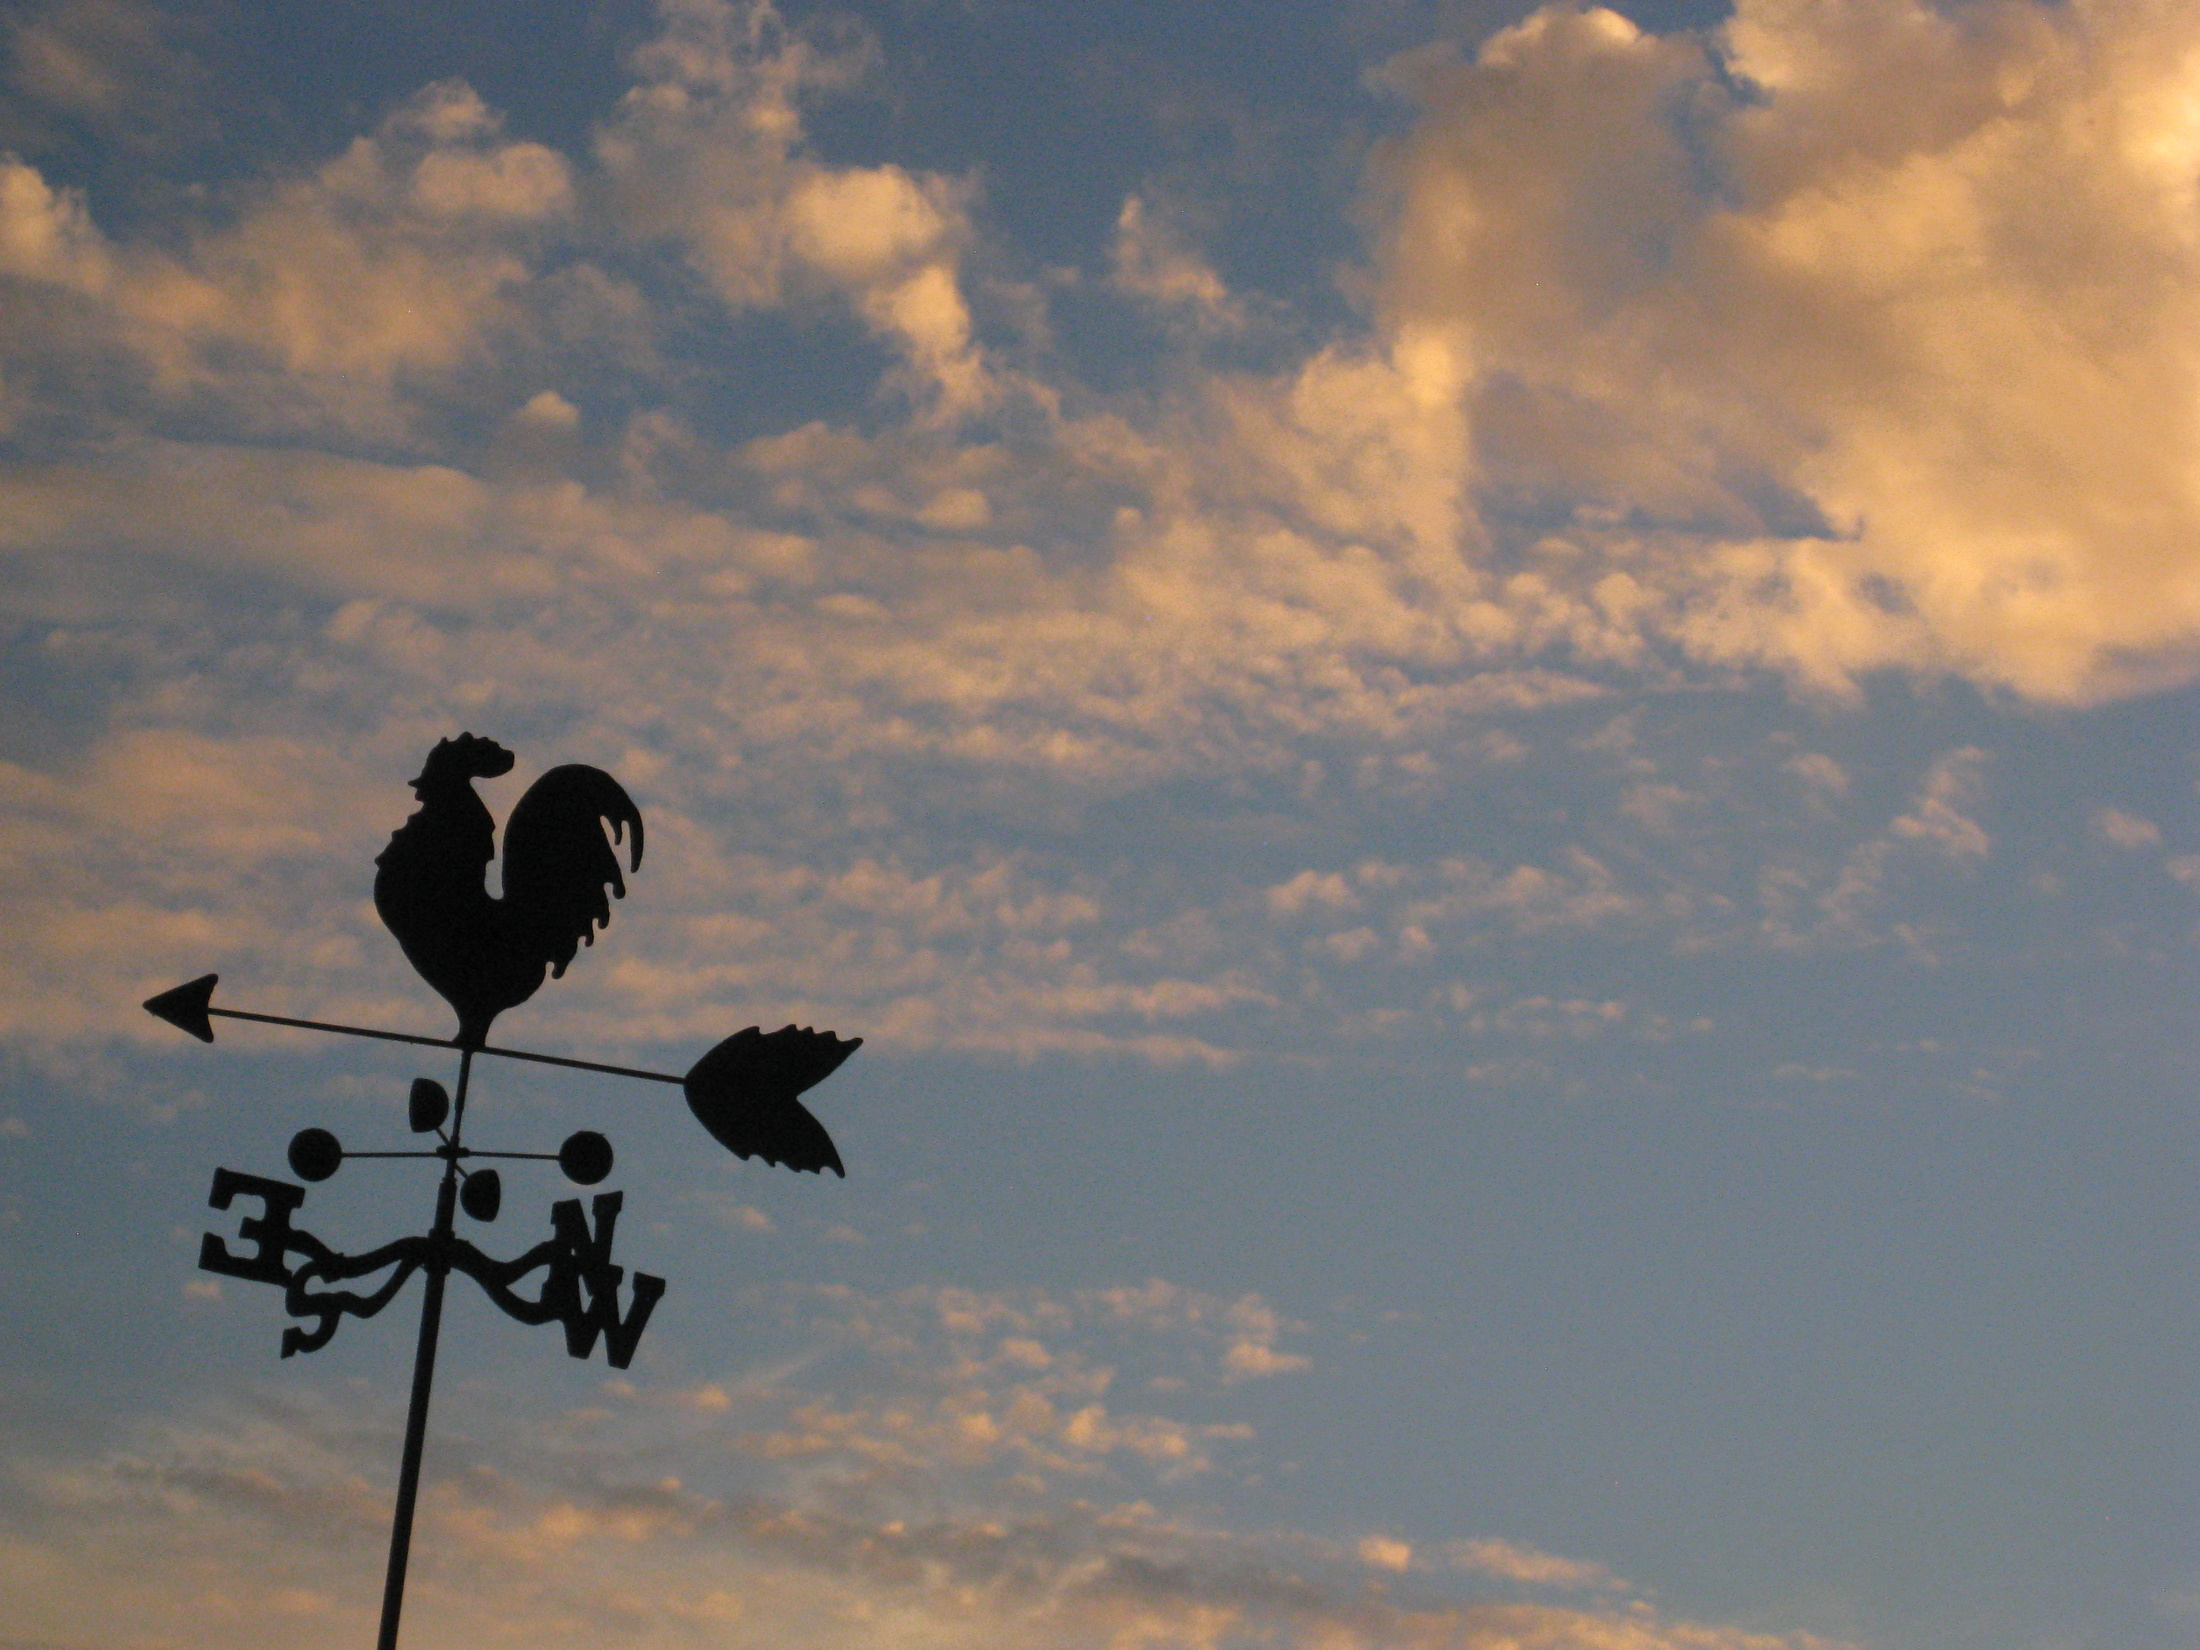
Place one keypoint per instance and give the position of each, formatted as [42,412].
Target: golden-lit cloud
[326,307]
[1922,277]
[706,149]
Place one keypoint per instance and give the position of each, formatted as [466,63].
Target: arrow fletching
[185,1007]
[744,1091]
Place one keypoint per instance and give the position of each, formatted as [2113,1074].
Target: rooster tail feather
[558,865]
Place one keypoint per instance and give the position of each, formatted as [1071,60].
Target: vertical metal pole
[416,1416]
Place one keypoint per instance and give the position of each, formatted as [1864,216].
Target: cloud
[1850,905]
[47,235]
[707,149]
[119,70]
[2128,831]
[1830,387]
[330,304]
[1252,1353]
[1820,772]
[1940,816]
[1382,1552]
[1512,1562]
[1153,263]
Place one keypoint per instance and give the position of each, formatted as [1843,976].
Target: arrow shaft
[330,1025]
[443,1042]
[580,1065]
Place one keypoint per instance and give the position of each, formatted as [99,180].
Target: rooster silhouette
[483,954]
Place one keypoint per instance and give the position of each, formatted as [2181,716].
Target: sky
[1488,713]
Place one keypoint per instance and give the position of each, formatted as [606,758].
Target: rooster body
[485,954]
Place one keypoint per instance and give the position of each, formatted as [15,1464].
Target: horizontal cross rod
[463,1151]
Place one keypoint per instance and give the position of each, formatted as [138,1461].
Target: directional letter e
[271,1230]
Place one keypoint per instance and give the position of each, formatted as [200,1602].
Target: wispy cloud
[942,1464]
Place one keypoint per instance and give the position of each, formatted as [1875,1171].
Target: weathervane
[483,955]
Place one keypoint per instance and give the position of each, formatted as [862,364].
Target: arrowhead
[185,1007]
[744,1091]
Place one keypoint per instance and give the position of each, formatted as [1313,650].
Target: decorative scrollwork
[579,1289]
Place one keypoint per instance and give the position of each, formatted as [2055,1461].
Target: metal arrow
[743,1091]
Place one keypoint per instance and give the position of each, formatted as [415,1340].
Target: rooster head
[456,762]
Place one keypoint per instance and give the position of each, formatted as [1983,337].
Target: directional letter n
[588,1255]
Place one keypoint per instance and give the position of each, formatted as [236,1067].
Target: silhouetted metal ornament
[744,1091]
[482,1195]
[486,953]
[483,954]
[585,1157]
[427,1106]
[315,1154]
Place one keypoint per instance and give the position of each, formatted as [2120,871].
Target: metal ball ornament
[315,1154]
[585,1157]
